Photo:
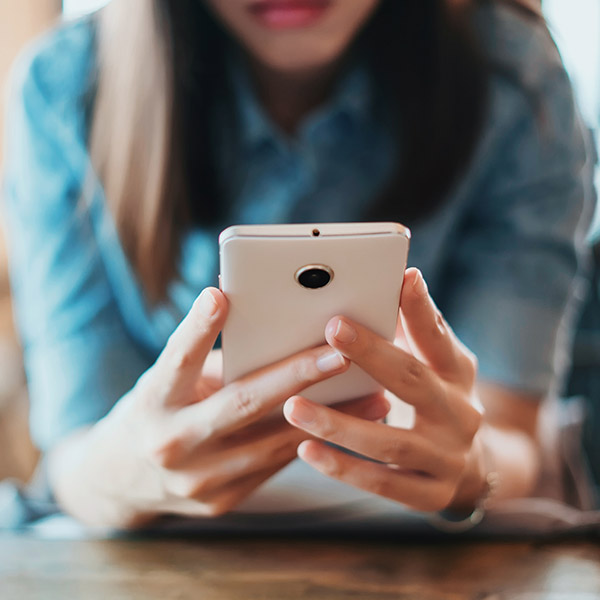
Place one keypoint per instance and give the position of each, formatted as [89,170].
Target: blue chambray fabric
[500,255]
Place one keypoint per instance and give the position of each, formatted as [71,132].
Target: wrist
[122,475]
[479,486]
[91,472]
[474,484]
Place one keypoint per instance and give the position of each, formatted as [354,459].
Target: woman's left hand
[438,462]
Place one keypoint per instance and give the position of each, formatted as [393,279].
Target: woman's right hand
[180,443]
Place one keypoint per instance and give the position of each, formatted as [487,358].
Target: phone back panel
[271,316]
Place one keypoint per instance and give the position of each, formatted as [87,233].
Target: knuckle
[438,328]
[180,360]
[173,356]
[326,428]
[245,401]
[303,370]
[397,450]
[413,373]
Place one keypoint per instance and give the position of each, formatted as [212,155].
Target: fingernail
[303,449]
[302,413]
[377,410]
[207,304]
[344,333]
[332,361]
[419,285]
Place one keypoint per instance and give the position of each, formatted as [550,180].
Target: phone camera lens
[314,276]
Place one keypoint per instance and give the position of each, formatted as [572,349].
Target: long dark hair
[152,107]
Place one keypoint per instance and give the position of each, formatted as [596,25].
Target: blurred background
[575,25]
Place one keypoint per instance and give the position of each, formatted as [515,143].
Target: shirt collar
[352,98]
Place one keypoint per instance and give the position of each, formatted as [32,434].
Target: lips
[288,14]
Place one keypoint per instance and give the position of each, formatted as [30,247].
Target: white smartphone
[284,283]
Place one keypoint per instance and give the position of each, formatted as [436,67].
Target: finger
[398,371]
[224,500]
[175,453]
[188,346]
[413,490]
[211,378]
[254,396]
[204,475]
[213,365]
[373,407]
[377,441]
[220,493]
[428,334]
[220,501]
[401,339]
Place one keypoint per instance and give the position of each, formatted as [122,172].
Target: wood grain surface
[292,568]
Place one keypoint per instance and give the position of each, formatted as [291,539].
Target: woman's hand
[181,443]
[436,463]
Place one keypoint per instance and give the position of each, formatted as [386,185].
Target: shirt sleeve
[513,271]
[78,355]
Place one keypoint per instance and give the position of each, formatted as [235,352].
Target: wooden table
[290,568]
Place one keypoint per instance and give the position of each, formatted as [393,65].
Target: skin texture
[297,50]
[179,442]
[441,461]
[294,69]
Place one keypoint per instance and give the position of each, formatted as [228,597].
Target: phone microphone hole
[316,232]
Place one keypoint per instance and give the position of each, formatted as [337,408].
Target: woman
[455,118]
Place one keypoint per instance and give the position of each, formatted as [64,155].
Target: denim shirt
[500,256]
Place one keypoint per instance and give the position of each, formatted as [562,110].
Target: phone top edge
[306,230]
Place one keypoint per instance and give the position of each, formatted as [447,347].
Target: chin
[298,59]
